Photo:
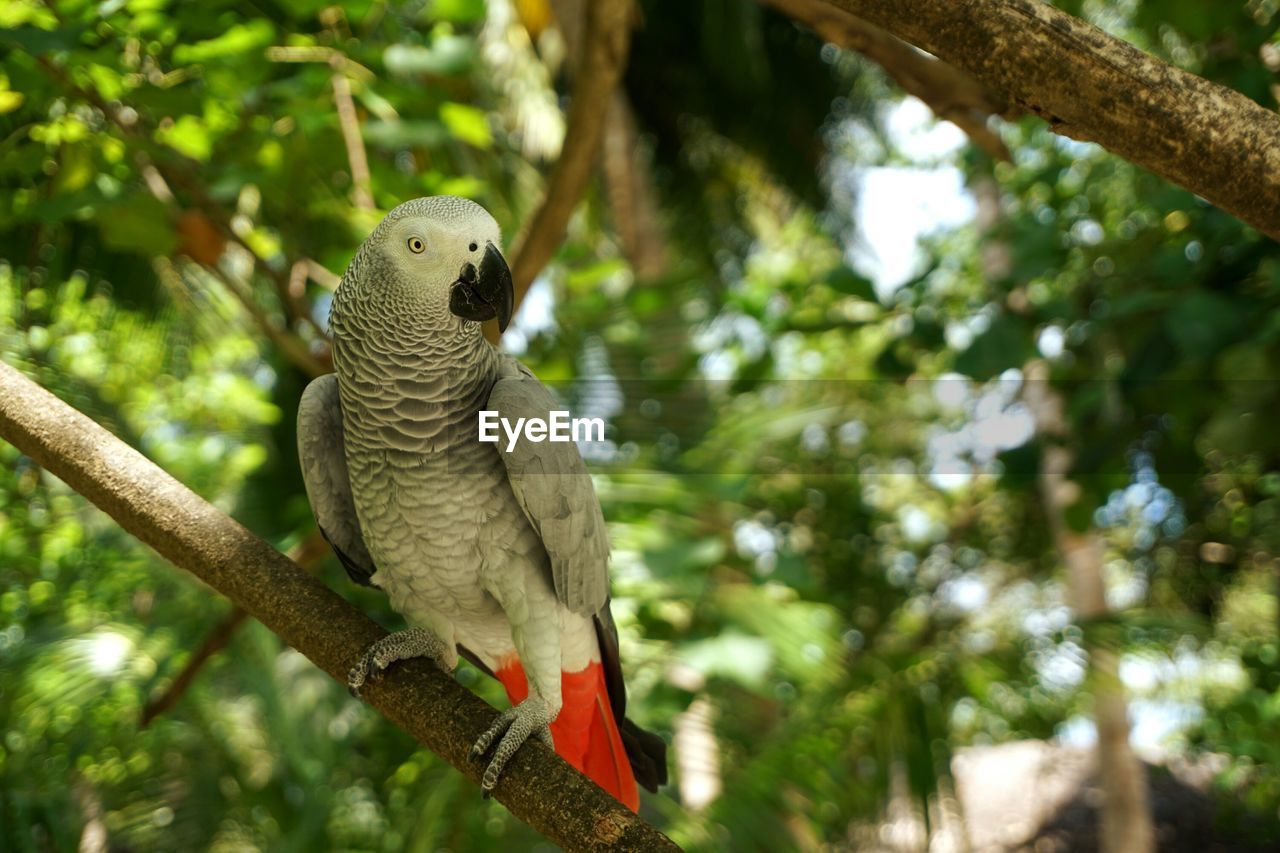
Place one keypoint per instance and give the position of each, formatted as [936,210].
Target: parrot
[500,557]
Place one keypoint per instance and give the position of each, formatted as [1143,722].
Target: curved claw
[515,726]
[402,645]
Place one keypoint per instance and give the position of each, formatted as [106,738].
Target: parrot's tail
[585,733]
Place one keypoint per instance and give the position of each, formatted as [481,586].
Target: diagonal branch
[537,786]
[349,121]
[1094,87]
[215,641]
[306,554]
[952,94]
[604,54]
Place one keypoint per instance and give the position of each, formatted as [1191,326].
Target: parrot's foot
[402,645]
[516,725]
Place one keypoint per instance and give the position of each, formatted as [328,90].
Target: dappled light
[937,441]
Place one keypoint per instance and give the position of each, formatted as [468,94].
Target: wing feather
[324,471]
[555,491]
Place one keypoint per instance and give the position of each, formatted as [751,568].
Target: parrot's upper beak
[485,293]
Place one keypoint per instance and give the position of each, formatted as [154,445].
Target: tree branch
[629,188]
[290,345]
[952,94]
[1090,86]
[349,122]
[604,54]
[537,786]
[306,554]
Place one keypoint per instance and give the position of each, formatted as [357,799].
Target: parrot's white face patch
[429,252]
[558,426]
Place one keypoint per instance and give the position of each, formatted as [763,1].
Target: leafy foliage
[826,531]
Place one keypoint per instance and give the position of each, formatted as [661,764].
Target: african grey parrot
[502,556]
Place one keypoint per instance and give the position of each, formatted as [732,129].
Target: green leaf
[1003,345]
[402,134]
[141,224]
[845,280]
[467,123]
[457,11]
[189,136]
[736,657]
[243,38]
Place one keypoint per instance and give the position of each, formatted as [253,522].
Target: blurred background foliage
[834,573]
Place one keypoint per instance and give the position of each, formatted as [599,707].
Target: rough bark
[308,553]
[1091,86]
[537,786]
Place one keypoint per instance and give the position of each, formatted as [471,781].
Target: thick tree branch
[306,554]
[952,94]
[628,178]
[604,54]
[537,786]
[1091,86]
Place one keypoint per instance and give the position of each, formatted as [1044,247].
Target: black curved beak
[484,293]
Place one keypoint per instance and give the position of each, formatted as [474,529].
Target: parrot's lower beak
[485,293]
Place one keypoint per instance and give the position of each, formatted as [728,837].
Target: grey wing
[324,471]
[551,483]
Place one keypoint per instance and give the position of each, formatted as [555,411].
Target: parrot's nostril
[472,247]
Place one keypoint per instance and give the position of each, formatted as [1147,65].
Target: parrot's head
[437,255]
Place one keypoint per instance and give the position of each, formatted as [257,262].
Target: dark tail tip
[647,753]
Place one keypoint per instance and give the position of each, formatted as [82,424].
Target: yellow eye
[416,245]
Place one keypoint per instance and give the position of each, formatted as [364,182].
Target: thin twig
[361,184]
[290,345]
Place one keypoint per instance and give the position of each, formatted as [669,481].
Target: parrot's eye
[416,245]
[472,247]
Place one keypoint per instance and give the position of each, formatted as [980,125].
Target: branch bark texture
[537,786]
[307,554]
[1093,87]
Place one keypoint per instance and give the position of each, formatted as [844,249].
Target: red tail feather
[585,733]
